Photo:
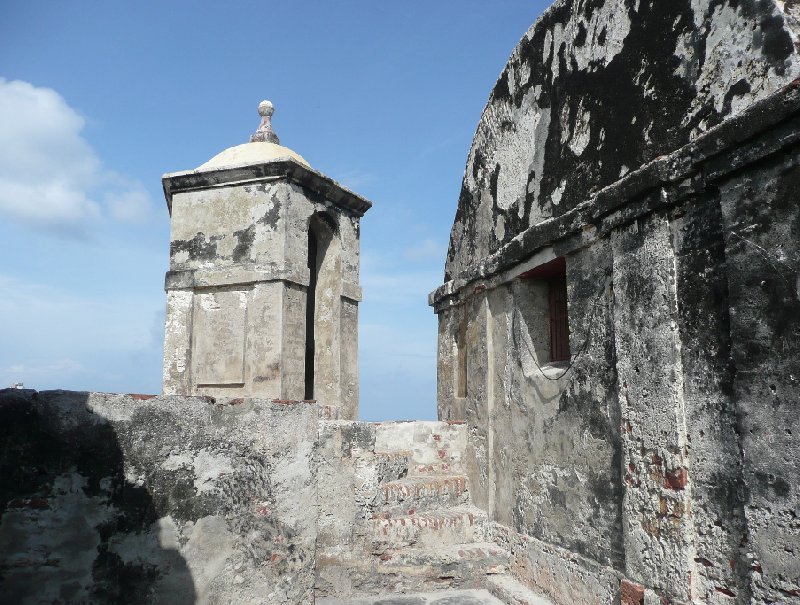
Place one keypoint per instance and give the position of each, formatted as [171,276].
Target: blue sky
[99,99]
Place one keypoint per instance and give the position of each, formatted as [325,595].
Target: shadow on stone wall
[73,527]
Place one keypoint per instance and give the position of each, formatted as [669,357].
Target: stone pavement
[441,597]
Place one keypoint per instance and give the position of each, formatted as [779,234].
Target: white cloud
[49,174]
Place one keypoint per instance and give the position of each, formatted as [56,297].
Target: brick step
[433,445]
[513,592]
[424,493]
[460,525]
[409,569]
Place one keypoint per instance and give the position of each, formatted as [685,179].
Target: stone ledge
[238,275]
[288,169]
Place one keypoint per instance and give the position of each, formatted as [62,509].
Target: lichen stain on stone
[569,58]
[244,243]
[273,213]
[199,248]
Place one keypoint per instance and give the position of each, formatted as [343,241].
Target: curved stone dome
[252,153]
[596,89]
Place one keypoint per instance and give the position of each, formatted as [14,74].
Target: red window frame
[554,273]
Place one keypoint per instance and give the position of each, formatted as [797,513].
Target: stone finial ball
[265,108]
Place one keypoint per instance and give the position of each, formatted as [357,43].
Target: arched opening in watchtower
[311,295]
[322,313]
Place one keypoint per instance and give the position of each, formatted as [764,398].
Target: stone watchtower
[263,286]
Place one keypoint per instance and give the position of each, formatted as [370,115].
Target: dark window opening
[559,324]
[311,295]
[553,276]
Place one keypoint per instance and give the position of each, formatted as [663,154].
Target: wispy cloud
[428,250]
[439,145]
[54,338]
[355,179]
[50,177]
[19,372]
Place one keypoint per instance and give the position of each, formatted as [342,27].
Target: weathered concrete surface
[139,499]
[595,89]
[110,499]
[239,280]
[444,597]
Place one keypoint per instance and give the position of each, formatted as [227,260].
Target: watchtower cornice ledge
[287,168]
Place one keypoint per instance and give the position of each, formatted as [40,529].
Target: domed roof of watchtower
[264,146]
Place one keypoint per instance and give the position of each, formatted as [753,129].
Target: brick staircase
[422,532]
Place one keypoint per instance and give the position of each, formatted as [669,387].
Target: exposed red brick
[140,396]
[677,479]
[630,593]
[455,422]
[39,503]
[437,437]
[725,591]
[703,561]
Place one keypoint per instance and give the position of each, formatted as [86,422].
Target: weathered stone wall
[139,499]
[597,88]
[761,219]
[663,464]
[115,499]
